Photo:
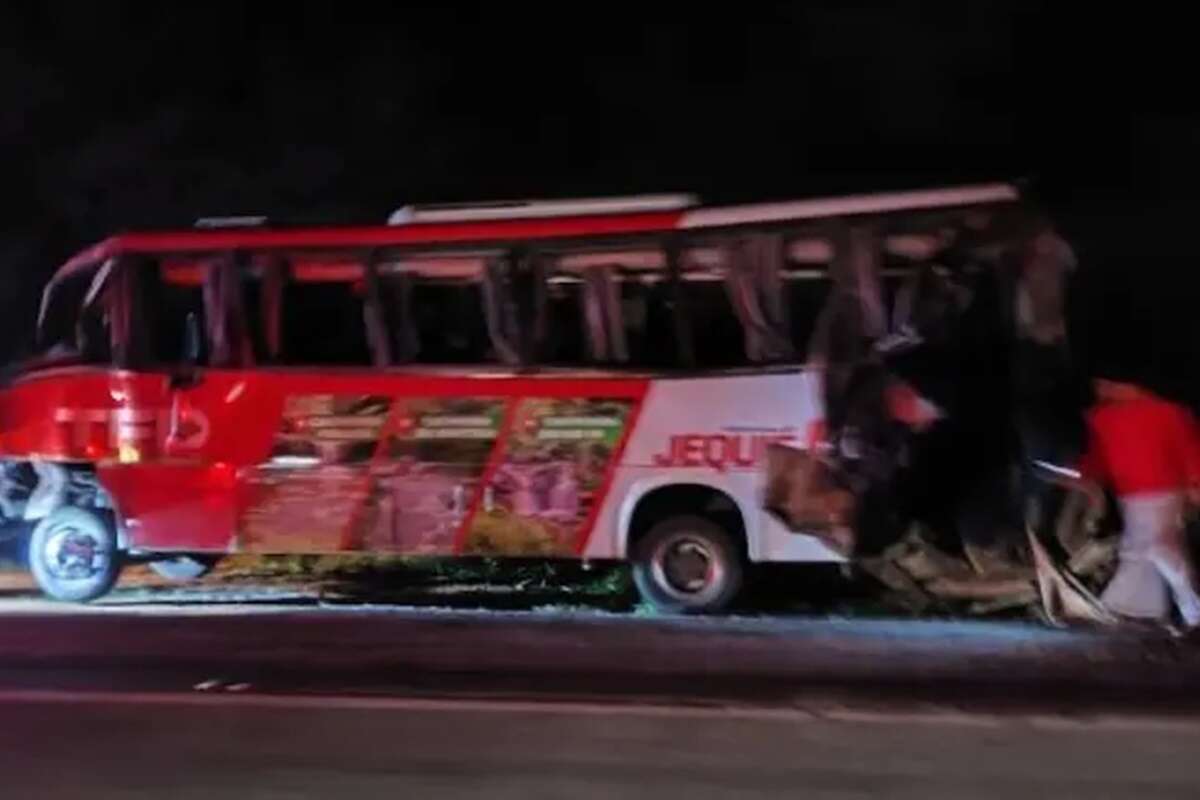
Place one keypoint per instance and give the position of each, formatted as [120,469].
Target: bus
[594,379]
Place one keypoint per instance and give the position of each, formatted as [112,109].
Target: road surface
[561,655]
[155,747]
[278,701]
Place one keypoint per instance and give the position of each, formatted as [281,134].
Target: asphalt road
[135,747]
[273,701]
[777,662]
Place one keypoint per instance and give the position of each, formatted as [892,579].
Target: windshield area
[75,323]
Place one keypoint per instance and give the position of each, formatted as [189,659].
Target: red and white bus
[595,379]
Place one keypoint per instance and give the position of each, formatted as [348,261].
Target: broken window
[724,304]
[172,300]
[605,307]
[753,269]
[448,309]
[647,310]
[74,322]
[262,301]
[323,324]
[717,335]
[562,334]
[807,291]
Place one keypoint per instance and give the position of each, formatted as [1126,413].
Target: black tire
[706,581]
[63,574]
[183,568]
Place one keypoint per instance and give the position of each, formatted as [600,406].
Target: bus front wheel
[73,555]
[687,565]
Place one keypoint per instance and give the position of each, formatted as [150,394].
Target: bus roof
[473,229]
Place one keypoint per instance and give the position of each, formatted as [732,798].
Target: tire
[73,555]
[687,565]
[183,568]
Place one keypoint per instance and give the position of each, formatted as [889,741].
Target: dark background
[116,116]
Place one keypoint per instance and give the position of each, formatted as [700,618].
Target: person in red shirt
[1148,450]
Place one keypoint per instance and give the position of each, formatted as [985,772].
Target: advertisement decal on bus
[434,475]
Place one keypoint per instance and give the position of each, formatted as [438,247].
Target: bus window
[646,313]
[893,277]
[730,293]
[265,343]
[435,309]
[322,323]
[606,307]
[563,337]
[169,298]
[74,320]
[718,338]
[807,284]
[752,272]
[449,322]
[807,290]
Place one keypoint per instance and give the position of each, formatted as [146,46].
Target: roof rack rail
[522,209]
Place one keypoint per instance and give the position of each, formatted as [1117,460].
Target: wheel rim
[74,555]
[688,568]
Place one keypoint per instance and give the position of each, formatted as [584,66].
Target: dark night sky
[117,116]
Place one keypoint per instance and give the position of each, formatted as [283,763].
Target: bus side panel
[610,537]
[169,493]
[550,472]
[66,414]
[169,507]
[408,463]
[437,466]
[184,495]
[780,544]
[714,432]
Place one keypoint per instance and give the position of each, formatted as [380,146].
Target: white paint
[522,209]
[235,392]
[739,406]
[841,206]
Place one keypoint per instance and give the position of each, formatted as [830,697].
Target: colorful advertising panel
[433,475]
[543,489]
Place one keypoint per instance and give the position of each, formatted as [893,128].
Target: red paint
[692,451]
[174,507]
[392,424]
[816,434]
[585,533]
[513,230]
[719,451]
[495,459]
[185,492]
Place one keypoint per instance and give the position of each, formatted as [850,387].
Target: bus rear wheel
[183,568]
[687,565]
[73,555]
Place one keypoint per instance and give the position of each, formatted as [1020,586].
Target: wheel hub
[687,567]
[74,555]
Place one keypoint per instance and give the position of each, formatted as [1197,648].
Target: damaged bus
[594,379]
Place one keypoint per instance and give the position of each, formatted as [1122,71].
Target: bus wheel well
[687,499]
